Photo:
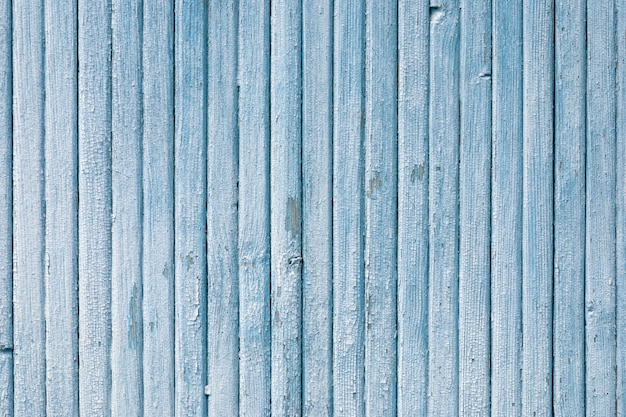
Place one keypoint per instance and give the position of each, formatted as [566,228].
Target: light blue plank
[190,208]
[620,40]
[286,206]
[28,209]
[317,248]
[600,348]
[94,208]
[254,206]
[413,87]
[222,177]
[474,215]
[506,211]
[6,215]
[443,382]
[381,198]
[61,176]
[569,209]
[126,284]
[348,188]
[537,220]
[158,208]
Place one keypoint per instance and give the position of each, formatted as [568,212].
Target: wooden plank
[537,220]
[158,208]
[254,206]
[569,209]
[28,209]
[443,382]
[126,283]
[6,214]
[600,348]
[381,198]
[190,208]
[94,208]
[413,87]
[61,192]
[506,210]
[474,209]
[348,190]
[286,207]
[222,196]
[317,180]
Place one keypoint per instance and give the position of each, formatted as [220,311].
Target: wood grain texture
[222,199]
[348,210]
[600,330]
[569,209]
[474,209]
[158,207]
[254,208]
[127,206]
[381,200]
[317,183]
[28,209]
[444,116]
[537,220]
[190,208]
[61,181]
[6,213]
[413,180]
[506,211]
[286,206]
[94,207]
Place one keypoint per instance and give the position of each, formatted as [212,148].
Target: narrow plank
[443,382]
[506,210]
[61,191]
[413,87]
[286,207]
[600,348]
[380,215]
[317,180]
[474,209]
[94,207]
[126,230]
[222,195]
[28,209]
[537,220]
[6,215]
[569,209]
[158,208]
[254,206]
[348,190]
[190,208]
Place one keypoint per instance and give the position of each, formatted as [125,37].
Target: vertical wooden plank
[190,207]
[61,190]
[474,214]
[286,206]
[569,209]
[6,215]
[348,188]
[317,182]
[443,383]
[94,208]
[254,206]
[126,232]
[537,222]
[222,196]
[600,210]
[413,87]
[381,197]
[28,208]
[158,207]
[506,210]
